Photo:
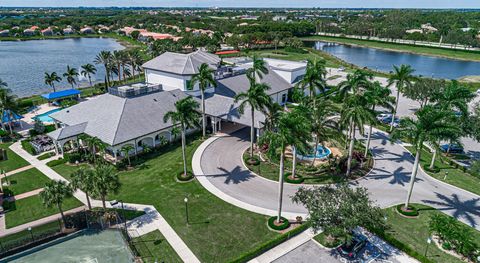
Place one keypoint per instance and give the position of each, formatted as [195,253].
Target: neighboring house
[428,28]
[68,31]
[280,18]
[5,33]
[28,32]
[145,36]
[47,32]
[103,29]
[87,30]
[412,31]
[128,30]
[133,115]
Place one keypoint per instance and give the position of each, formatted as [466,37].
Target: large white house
[133,115]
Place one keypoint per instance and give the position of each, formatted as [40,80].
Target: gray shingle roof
[115,120]
[182,64]
[237,84]
[226,109]
[68,131]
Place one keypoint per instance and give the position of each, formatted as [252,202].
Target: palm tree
[292,129]
[117,60]
[430,124]
[355,83]
[186,116]
[454,97]
[259,67]
[70,74]
[126,149]
[105,58]
[324,121]
[83,179]
[105,181]
[87,71]
[51,78]
[377,95]
[135,60]
[204,78]
[272,113]
[314,79]
[355,114]
[257,99]
[54,193]
[7,103]
[401,77]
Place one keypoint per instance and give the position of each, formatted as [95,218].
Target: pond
[24,63]
[383,60]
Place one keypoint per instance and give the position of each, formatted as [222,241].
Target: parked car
[382,116]
[351,249]
[388,120]
[454,148]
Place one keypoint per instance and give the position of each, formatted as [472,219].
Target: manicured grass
[14,161]
[432,51]
[66,170]
[327,242]
[25,234]
[25,181]
[415,231]
[153,247]
[46,156]
[218,231]
[455,176]
[31,208]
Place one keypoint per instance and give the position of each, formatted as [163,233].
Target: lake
[383,60]
[24,63]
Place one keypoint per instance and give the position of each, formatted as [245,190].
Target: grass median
[25,181]
[14,160]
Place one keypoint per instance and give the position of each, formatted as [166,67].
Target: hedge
[46,156]
[414,211]
[28,147]
[297,180]
[284,225]
[270,244]
[56,162]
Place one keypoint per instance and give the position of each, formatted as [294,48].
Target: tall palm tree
[83,179]
[324,121]
[87,71]
[292,129]
[257,99]
[186,116]
[259,67]
[314,79]
[7,104]
[401,78]
[105,58]
[272,112]
[71,74]
[105,181]
[377,95]
[430,123]
[135,60]
[54,193]
[117,60]
[205,79]
[355,83]
[126,149]
[355,114]
[454,97]
[51,78]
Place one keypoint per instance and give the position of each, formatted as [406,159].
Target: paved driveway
[224,172]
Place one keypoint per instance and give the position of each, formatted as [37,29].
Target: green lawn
[31,208]
[26,181]
[66,170]
[13,239]
[14,161]
[218,231]
[455,176]
[414,232]
[441,52]
[153,247]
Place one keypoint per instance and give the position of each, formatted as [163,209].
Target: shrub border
[298,180]
[413,213]
[262,248]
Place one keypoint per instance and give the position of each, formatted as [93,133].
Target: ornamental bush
[284,223]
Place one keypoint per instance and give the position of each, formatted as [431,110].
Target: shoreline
[346,41]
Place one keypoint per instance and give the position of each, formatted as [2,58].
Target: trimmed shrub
[56,162]
[252,161]
[412,211]
[284,223]
[270,244]
[73,157]
[297,180]
[46,156]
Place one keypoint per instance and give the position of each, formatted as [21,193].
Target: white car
[478,92]
[383,116]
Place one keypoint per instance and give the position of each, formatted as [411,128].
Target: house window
[284,98]
[188,83]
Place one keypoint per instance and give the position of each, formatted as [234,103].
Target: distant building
[412,31]
[145,36]
[68,31]
[128,30]
[5,33]
[47,32]
[466,29]
[28,32]
[280,18]
[103,29]
[87,30]
[428,28]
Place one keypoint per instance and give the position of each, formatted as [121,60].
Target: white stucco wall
[290,76]
[169,81]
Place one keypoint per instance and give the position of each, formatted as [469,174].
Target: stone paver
[387,182]
[152,220]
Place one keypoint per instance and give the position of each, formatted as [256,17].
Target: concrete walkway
[151,221]
[19,170]
[225,176]
[23,195]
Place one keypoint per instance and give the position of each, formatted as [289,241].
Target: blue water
[24,63]
[384,60]
[45,117]
[320,153]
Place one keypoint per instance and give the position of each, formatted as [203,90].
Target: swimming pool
[45,117]
[83,246]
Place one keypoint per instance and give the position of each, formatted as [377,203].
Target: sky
[249,3]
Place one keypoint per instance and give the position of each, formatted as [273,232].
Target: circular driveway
[218,165]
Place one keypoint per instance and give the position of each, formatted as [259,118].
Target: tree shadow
[235,176]
[466,209]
